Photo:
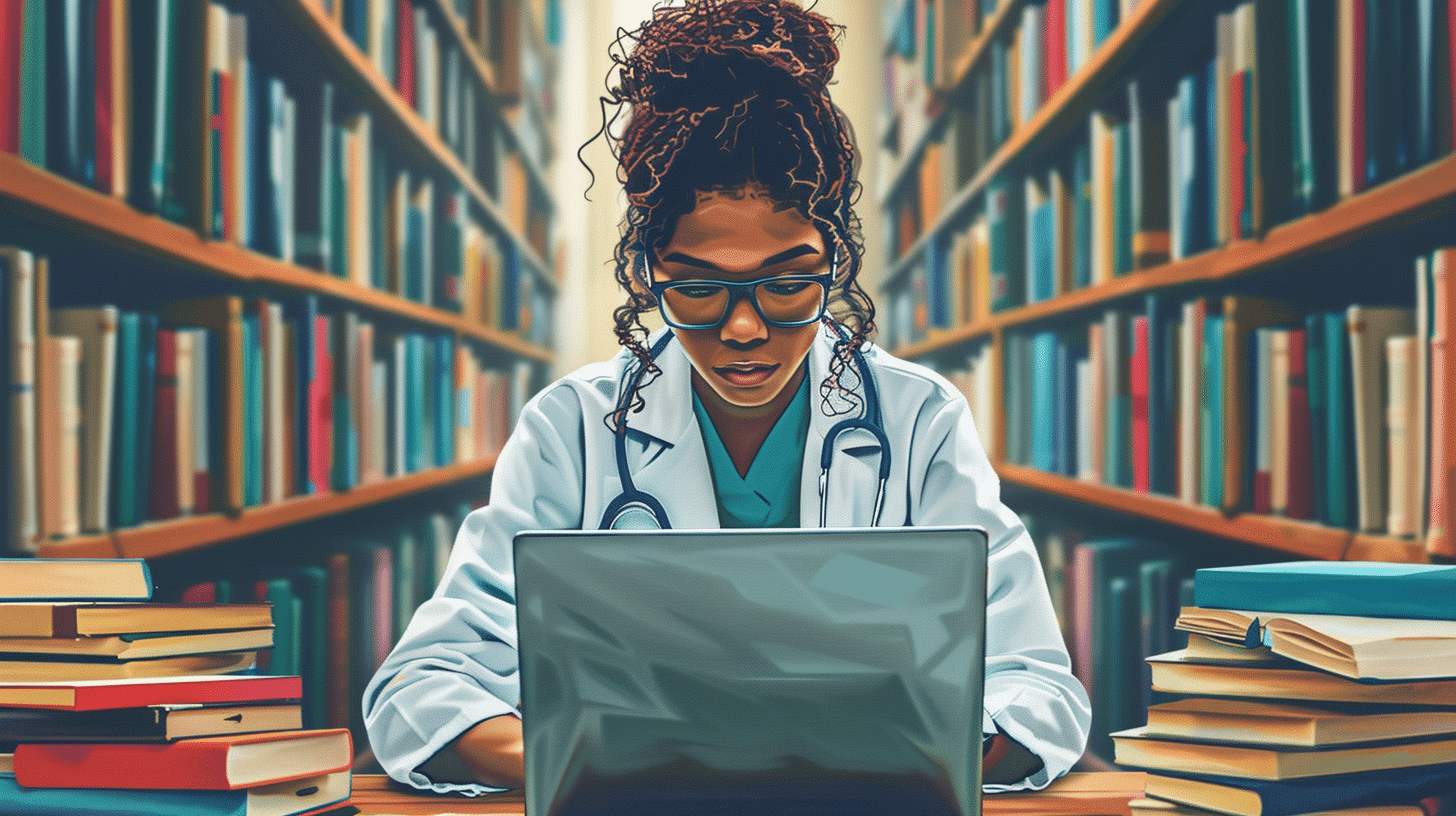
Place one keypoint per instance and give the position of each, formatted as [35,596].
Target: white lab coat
[456,663]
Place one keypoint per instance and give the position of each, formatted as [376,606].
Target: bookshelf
[360,195]
[1031,266]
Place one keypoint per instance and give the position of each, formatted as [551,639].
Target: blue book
[1000,94]
[1043,362]
[1104,20]
[1163,315]
[1310,794]
[1064,409]
[444,399]
[267,184]
[937,286]
[1210,420]
[146,407]
[1369,588]
[510,287]
[279,799]
[1041,248]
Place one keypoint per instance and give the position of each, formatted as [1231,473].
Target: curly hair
[724,94]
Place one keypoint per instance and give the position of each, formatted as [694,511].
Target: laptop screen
[764,671]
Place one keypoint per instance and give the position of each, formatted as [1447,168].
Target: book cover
[1250,797]
[226,762]
[1190,401]
[1370,588]
[56,579]
[291,798]
[154,723]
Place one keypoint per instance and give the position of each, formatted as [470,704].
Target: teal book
[146,409]
[252,410]
[1339,457]
[345,470]
[310,587]
[1365,588]
[1211,419]
[278,799]
[414,387]
[1122,199]
[33,82]
[285,656]
[444,399]
[407,553]
[1043,356]
[125,449]
[1006,272]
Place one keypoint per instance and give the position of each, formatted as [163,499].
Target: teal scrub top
[769,495]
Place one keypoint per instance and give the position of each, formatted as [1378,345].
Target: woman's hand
[489,753]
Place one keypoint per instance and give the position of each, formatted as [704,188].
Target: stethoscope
[634,509]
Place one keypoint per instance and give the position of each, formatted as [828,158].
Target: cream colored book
[51,670]
[1402,513]
[96,329]
[1137,748]
[1289,724]
[276,443]
[123,647]
[1190,357]
[83,619]
[1176,673]
[1368,328]
[60,428]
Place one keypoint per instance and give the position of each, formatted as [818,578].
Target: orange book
[203,763]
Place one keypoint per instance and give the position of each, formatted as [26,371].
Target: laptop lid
[764,671]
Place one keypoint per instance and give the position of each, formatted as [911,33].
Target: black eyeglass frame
[742,289]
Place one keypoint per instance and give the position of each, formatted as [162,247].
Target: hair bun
[710,52]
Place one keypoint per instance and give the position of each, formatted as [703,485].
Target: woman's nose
[743,324]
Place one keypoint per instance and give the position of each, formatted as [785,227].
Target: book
[1368,328]
[91,695]
[96,329]
[1173,672]
[1370,588]
[1162,807]
[12,670]
[137,647]
[1242,314]
[69,620]
[1251,797]
[1136,748]
[1289,724]
[159,723]
[291,798]
[227,762]
[222,315]
[120,579]
[1366,648]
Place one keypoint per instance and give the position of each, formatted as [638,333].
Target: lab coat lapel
[665,446]
[853,475]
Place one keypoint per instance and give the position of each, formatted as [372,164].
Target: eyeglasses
[784,301]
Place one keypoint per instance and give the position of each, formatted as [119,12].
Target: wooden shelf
[366,79]
[1299,538]
[1417,196]
[1070,104]
[162,538]
[46,197]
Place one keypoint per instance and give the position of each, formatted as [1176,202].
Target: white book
[1368,327]
[1272,433]
[62,489]
[1190,461]
[379,428]
[1084,420]
[96,328]
[23,490]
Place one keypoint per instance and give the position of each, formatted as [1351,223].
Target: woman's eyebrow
[786,255]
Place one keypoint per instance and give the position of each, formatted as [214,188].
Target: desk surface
[1078,794]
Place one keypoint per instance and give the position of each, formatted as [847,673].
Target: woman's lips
[746,375]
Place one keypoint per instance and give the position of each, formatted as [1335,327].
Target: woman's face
[742,236]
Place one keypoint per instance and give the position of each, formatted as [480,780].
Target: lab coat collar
[673,465]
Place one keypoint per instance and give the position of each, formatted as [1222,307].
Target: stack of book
[1306,687]
[111,703]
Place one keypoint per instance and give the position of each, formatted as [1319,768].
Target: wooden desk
[1077,794]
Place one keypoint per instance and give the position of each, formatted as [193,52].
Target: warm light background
[588,229]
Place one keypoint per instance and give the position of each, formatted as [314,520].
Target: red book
[383,635]
[321,408]
[1439,541]
[1142,473]
[1301,439]
[1238,152]
[162,484]
[104,66]
[1055,70]
[202,763]
[95,695]
[406,63]
[11,19]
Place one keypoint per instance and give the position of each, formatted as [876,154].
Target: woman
[740,232]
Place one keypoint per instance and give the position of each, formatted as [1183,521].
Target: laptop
[752,671]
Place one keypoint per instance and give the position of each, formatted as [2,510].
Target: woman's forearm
[489,753]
